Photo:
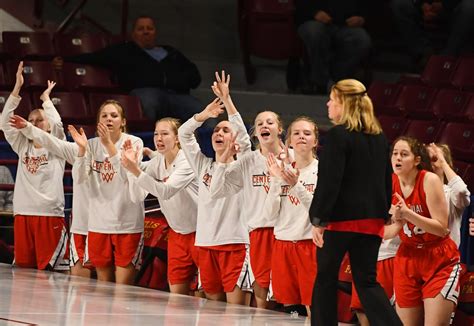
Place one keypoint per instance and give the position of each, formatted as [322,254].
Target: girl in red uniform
[426,275]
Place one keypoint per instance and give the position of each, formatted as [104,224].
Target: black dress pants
[363,252]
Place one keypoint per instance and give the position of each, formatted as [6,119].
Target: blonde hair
[43,113]
[315,131]
[119,108]
[174,123]
[447,154]
[358,110]
[253,136]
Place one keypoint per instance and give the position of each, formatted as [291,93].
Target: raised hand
[436,153]
[290,177]
[127,145]
[45,95]
[79,137]
[19,80]
[231,149]
[17,122]
[400,208]
[104,134]
[221,86]
[273,167]
[212,110]
[284,155]
[129,157]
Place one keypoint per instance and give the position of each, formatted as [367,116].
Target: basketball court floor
[31,297]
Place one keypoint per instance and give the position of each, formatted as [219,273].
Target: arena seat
[35,74]
[426,131]
[393,127]
[70,105]
[383,96]
[450,104]
[28,45]
[136,121]
[463,77]
[439,70]
[72,44]
[415,100]
[460,138]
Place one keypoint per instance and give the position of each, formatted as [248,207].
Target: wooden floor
[31,297]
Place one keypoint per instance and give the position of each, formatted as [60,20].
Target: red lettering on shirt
[33,163]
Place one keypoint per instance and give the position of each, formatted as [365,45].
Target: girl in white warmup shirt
[169,177]
[38,200]
[79,225]
[250,173]
[289,198]
[116,210]
[221,235]
[455,189]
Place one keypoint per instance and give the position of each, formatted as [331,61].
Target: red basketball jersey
[416,201]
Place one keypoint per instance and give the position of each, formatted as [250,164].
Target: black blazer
[354,178]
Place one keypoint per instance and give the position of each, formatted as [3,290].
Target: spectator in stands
[415,18]
[6,196]
[159,75]
[334,37]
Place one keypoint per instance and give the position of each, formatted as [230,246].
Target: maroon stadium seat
[415,100]
[267,30]
[463,77]
[70,105]
[383,96]
[35,73]
[25,106]
[468,177]
[89,129]
[67,44]
[426,131]
[28,45]
[469,110]
[4,84]
[460,138]
[136,121]
[439,70]
[450,104]
[79,76]
[393,127]
[460,167]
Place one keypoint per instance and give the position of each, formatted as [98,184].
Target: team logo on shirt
[413,230]
[417,208]
[105,169]
[206,179]
[33,163]
[261,180]
[285,189]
